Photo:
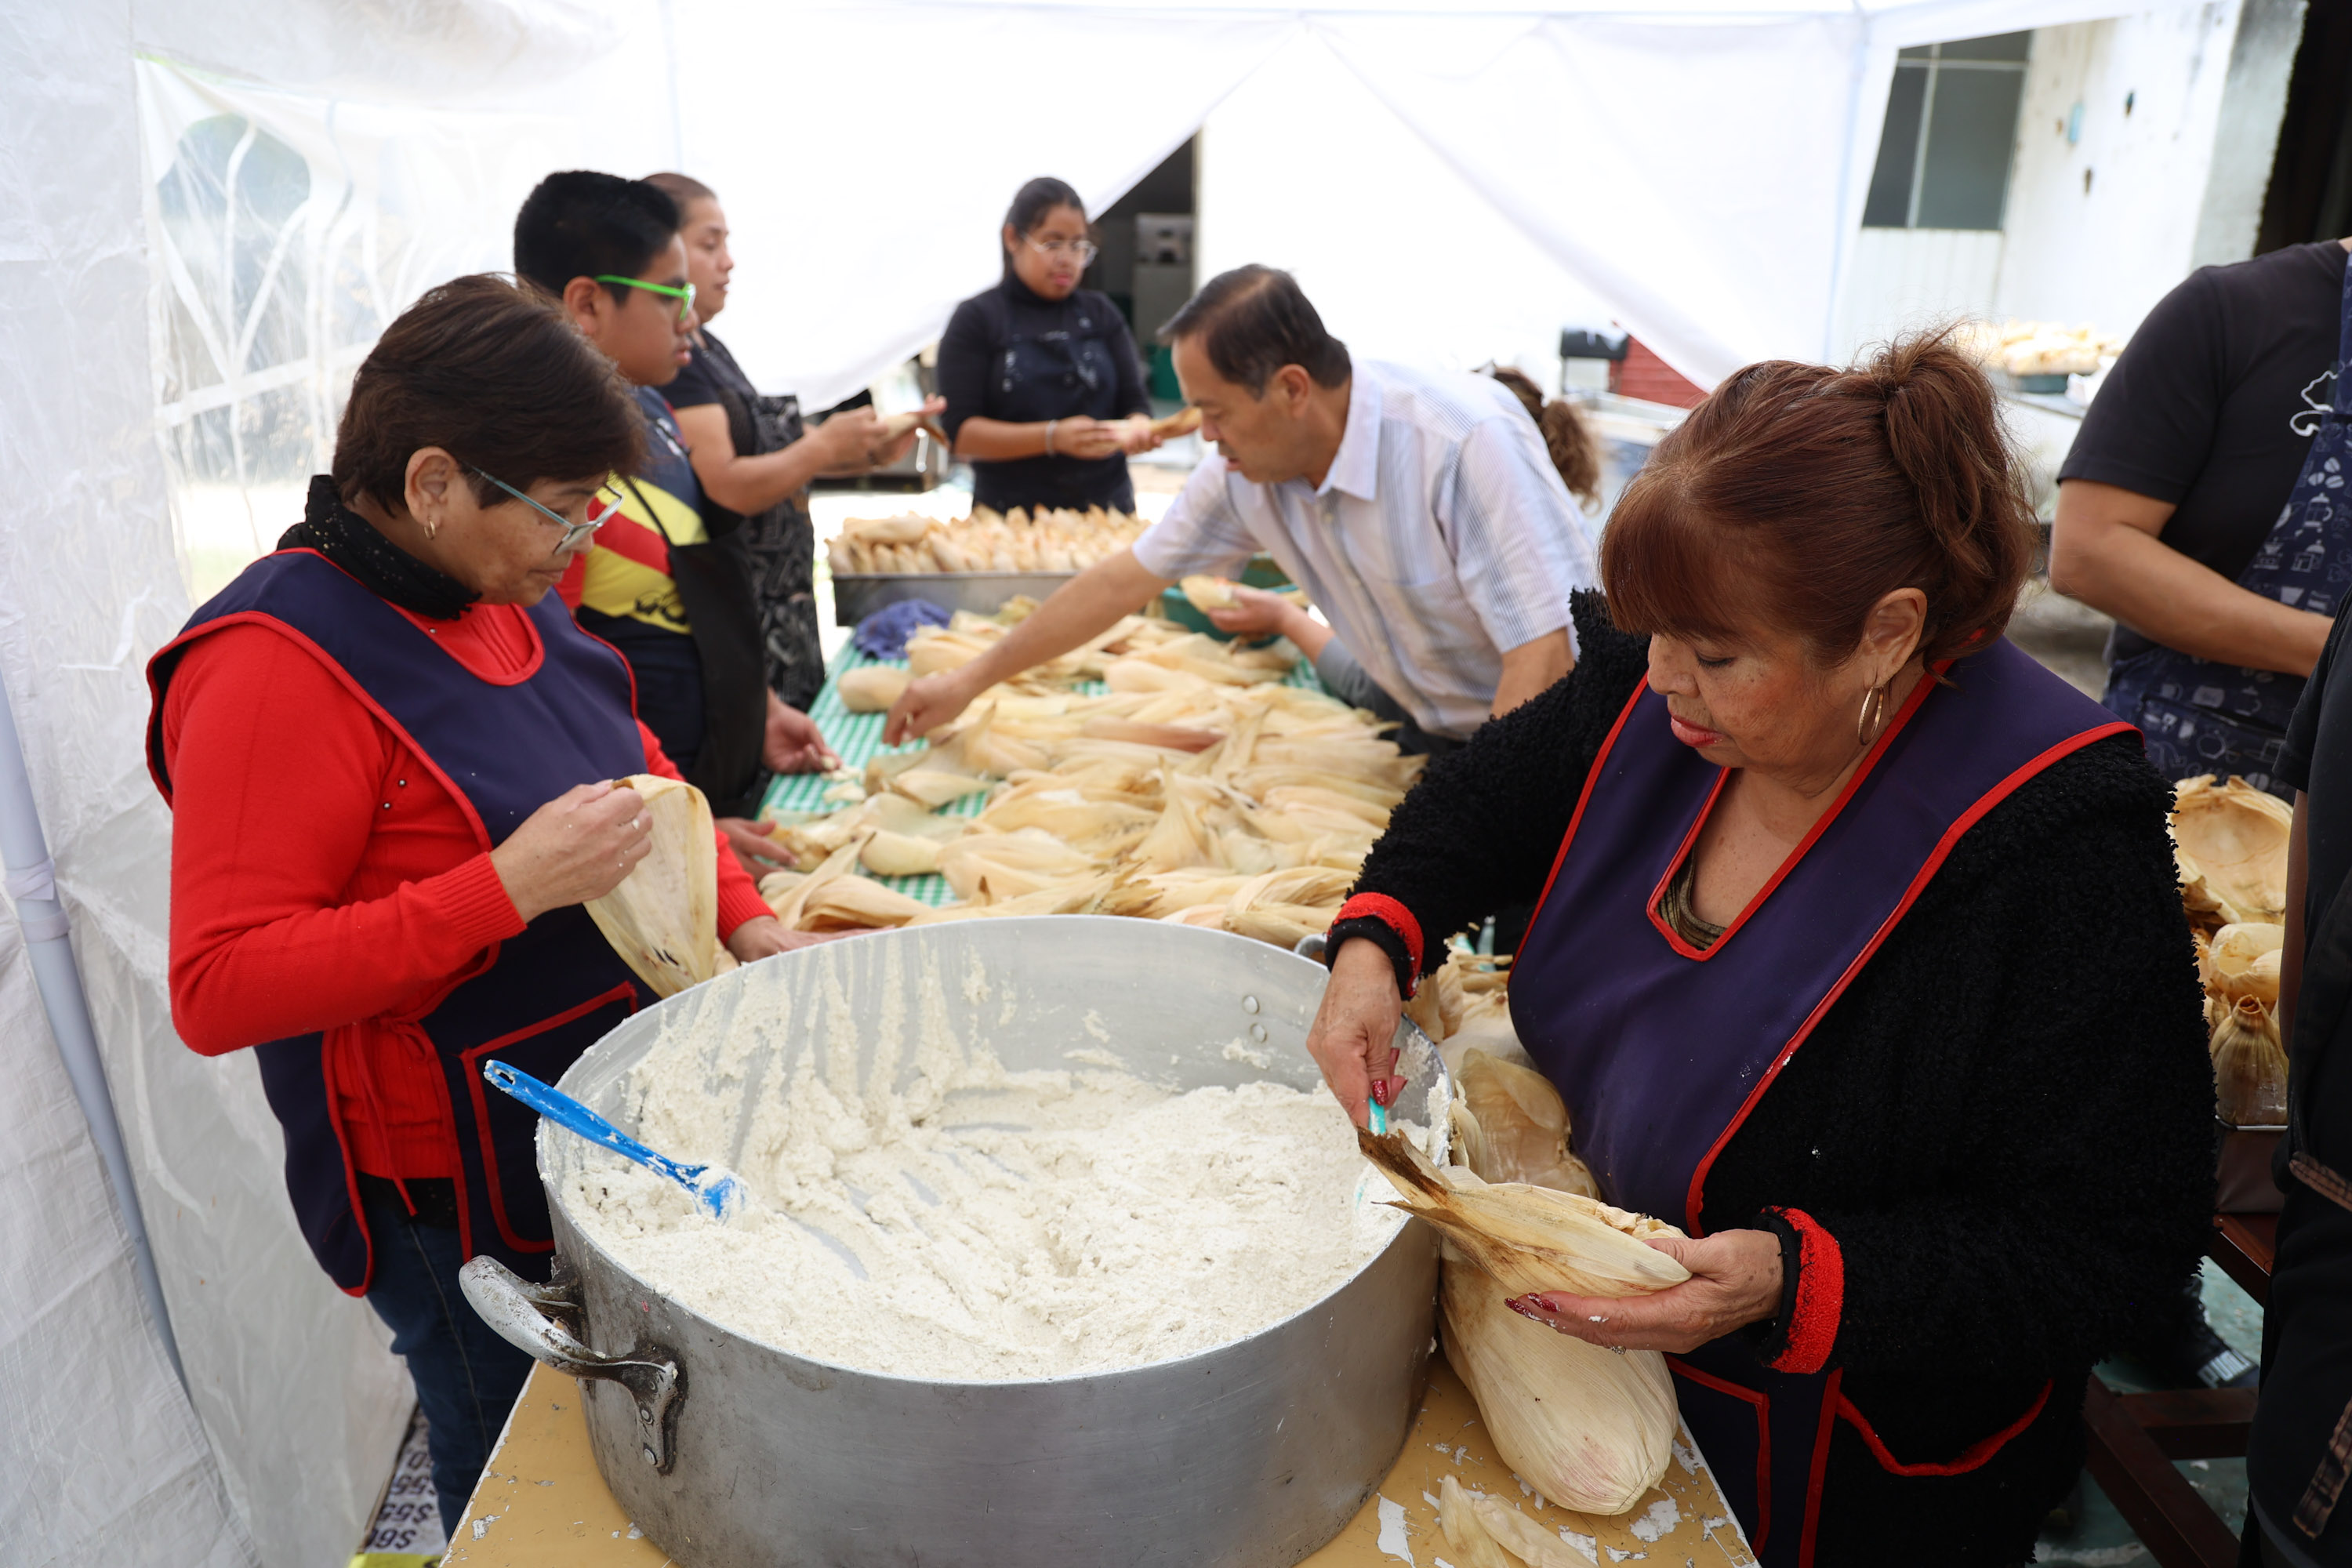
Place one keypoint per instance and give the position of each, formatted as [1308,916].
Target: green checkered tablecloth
[857,739]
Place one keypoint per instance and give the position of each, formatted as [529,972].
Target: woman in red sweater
[389,754]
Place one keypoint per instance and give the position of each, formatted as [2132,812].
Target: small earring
[1874,715]
[431,527]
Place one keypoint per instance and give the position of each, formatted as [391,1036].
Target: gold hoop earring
[430,527]
[1874,715]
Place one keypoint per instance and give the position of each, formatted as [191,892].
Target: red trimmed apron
[1663,1051]
[536,1000]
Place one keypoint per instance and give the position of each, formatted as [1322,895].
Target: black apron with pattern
[780,543]
[2200,717]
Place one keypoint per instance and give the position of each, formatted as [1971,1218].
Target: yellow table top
[540,1503]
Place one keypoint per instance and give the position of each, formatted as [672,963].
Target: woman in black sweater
[1044,393]
[1859,957]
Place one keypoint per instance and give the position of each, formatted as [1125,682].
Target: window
[1951,124]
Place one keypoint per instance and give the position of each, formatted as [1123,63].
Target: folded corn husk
[1487,1532]
[872,687]
[663,919]
[2231,843]
[2248,1067]
[1207,593]
[2242,962]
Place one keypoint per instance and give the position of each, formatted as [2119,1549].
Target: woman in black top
[1045,395]
[754,458]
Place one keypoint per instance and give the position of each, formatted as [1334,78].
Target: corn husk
[2243,960]
[1587,1428]
[888,853]
[851,902]
[663,917]
[1516,1127]
[1487,1533]
[1530,1239]
[872,687]
[2248,1067]
[1207,593]
[2231,843]
[991,868]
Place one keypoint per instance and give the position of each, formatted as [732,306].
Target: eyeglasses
[685,296]
[573,532]
[1082,251]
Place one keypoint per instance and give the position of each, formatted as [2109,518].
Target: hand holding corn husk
[663,917]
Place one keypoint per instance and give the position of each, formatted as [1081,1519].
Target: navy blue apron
[543,996]
[2200,717]
[1058,373]
[1663,1050]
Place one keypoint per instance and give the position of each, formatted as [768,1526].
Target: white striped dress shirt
[1441,539]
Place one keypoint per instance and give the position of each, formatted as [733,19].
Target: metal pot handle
[519,1312]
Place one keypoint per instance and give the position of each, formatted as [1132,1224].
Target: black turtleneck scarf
[379,565]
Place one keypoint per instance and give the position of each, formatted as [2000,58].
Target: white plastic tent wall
[865,152]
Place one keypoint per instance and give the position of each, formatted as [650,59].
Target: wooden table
[541,1504]
[2136,1437]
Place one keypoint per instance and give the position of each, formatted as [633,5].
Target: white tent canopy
[211,210]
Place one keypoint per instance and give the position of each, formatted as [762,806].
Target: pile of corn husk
[1584,1426]
[2230,842]
[1198,789]
[987,541]
[2039,348]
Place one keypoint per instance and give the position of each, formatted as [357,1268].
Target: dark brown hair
[1574,450]
[683,189]
[1797,496]
[1033,201]
[1252,322]
[495,374]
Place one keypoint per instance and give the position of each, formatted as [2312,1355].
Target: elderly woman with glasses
[1041,377]
[391,755]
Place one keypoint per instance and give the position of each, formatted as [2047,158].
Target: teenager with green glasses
[673,595]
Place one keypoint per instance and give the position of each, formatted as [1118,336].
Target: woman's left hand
[1135,435]
[1735,1281]
[794,744]
[766,937]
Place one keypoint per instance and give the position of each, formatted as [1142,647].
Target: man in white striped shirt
[1421,513]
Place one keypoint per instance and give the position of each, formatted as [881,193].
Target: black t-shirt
[2214,403]
[1014,355]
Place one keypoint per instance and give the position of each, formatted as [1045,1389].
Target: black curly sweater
[2007,1121]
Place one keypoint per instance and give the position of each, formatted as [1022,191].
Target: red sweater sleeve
[276,927]
[738,896]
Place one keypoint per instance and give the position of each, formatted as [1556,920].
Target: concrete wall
[2180,109]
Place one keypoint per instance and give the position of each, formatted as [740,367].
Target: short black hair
[493,372]
[1033,201]
[1252,322]
[583,224]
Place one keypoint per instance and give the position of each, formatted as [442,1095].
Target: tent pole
[31,884]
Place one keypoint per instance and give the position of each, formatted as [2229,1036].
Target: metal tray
[858,595]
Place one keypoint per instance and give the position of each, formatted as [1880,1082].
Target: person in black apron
[1044,393]
[754,456]
[1847,911]
[389,753]
[2299,1455]
[2187,511]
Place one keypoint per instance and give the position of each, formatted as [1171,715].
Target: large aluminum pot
[730,1452]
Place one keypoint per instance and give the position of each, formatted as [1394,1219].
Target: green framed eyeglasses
[573,532]
[684,297]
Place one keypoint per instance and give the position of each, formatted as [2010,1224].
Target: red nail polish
[1384,1091]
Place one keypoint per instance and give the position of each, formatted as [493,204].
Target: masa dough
[979,1223]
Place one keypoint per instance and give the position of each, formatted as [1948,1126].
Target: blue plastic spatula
[717,1192]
